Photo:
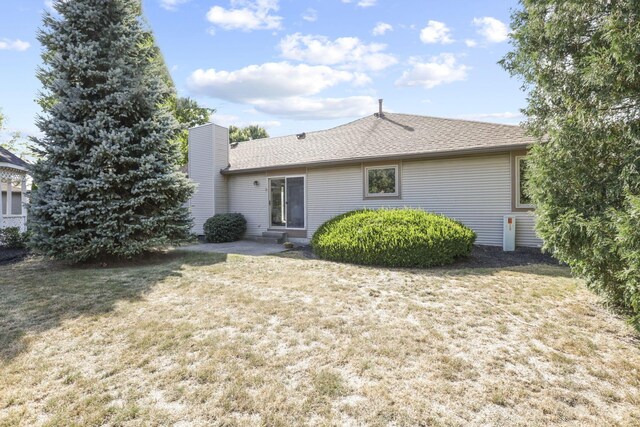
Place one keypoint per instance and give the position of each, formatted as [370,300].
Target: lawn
[207,339]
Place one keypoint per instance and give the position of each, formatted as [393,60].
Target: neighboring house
[470,171]
[13,190]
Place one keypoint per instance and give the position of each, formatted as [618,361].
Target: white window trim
[378,195]
[517,172]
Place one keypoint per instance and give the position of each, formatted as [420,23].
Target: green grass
[209,339]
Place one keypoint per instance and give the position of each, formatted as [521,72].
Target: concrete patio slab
[241,247]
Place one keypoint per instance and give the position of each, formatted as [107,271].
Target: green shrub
[582,103]
[393,238]
[225,228]
[13,238]
[629,246]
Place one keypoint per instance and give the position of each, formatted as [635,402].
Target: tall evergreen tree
[108,182]
[580,63]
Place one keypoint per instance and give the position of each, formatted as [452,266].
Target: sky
[295,66]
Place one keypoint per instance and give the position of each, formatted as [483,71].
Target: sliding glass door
[286,202]
[295,202]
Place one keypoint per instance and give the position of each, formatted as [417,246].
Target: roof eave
[13,166]
[413,156]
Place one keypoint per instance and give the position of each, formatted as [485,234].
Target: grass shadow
[37,295]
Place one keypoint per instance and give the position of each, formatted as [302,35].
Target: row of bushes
[386,237]
[217,229]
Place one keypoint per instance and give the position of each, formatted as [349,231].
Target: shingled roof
[7,156]
[394,136]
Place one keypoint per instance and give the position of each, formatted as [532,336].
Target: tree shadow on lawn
[37,295]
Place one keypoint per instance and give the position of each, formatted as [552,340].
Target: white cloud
[363,3]
[172,5]
[367,3]
[439,70]
[274,80]
[471,43]
[318,108]
[246,15]
[436,32]
[227,120]
[381,28]
[347,52]
[17,45]
[310,15]
[493,30]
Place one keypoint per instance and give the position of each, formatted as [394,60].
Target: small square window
[381,181]
[523,200]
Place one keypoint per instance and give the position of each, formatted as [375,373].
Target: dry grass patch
[206,339]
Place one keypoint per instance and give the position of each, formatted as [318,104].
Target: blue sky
[295,66]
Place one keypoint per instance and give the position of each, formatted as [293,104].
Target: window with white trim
[381,181]
[523,200]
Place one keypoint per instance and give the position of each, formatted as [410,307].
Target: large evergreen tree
[580,63]
[108,183]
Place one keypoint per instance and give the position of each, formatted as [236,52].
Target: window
[381,181]
[522,198]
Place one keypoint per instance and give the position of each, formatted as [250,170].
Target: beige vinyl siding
[250,200]
[525,233]
[208,154]
[473,190]
[221,161]
[201,171]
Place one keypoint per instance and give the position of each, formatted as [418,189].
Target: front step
[275,237]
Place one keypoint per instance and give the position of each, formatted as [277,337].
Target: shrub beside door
[223,228]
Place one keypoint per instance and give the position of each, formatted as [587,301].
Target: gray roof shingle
[7,156]
[371,138]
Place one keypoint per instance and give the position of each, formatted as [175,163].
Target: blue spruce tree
[108,182]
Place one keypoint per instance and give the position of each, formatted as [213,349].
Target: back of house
[470,171]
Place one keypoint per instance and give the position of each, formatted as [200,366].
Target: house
[470,171]
[13,190]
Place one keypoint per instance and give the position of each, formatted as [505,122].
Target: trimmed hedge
[223,228]
[393,238]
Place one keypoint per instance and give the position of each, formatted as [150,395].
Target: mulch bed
[9,256]
[495,257]
[481,257]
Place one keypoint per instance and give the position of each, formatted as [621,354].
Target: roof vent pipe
[380,113]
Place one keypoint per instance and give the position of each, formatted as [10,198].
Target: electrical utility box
[509,234]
